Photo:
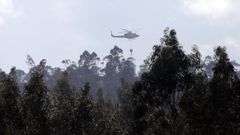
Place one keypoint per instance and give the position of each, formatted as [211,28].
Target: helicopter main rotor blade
[122,32]
[136,30]
[126,30]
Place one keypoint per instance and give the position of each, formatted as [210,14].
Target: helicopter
[128,34]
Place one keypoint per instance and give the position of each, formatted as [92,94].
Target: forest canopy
[174,93]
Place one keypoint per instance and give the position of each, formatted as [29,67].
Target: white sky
[63,29]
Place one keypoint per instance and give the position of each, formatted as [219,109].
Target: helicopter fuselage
[128,35]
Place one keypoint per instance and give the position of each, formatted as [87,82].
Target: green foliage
[10,115]
[177,94]
[193,101]
[62,106]
[99,114]
[83,119]
[111,79]
[156,95]
[125,107]
[222,96]
[35,105]
[87,71]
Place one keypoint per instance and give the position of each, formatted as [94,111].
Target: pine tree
[62,106]
[35,104]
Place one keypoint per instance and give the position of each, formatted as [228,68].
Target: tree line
[175,94]
[103,73]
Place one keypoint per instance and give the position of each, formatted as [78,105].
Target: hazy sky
[63,29]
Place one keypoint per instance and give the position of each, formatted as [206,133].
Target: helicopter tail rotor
[112,34]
